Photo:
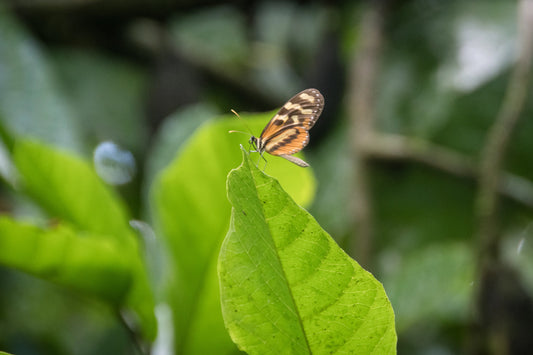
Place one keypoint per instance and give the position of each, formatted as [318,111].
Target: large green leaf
[287,287]
[61,255]
[69,189]
[192,214]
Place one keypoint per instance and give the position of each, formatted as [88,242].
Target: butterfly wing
[303,109]
[287,141]
[295,160]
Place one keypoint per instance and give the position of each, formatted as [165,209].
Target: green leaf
[69,189]
[286,286]
[60,255]
[174,131]
[192,214]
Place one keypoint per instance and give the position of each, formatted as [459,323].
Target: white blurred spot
[153,253]
[7,170]
[144,229]
[520,245]
[483,51]
[113,164]
[164,343]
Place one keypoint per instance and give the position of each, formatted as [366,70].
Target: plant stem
[361,97]
[493,153]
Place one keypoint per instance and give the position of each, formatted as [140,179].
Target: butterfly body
[288,131]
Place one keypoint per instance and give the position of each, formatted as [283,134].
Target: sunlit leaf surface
[287,287]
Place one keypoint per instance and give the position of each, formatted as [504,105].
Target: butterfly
[288,131]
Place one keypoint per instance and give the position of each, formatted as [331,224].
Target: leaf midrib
[285,278]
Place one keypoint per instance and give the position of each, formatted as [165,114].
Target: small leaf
[286,286]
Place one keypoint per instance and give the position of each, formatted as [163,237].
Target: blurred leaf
[413,102]
[470,118]
[30,102]
[433,284]
[286,286]
[465,46]
[215,37]
[172,134]
[518,158]
[192,215]
[331,162]
[276,22]
[68,188]
[417,206]
[26,322]
[108,94]
[483,43]
[61,255]
[517,250]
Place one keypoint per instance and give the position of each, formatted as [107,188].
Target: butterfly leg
[257,162]
[250,148]
[259,159]
[266,162]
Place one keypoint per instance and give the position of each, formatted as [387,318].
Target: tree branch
[493,153]
[396,147]
[495,324]
[361,94]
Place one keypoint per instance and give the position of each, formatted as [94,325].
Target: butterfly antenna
[235,113]
[243,121]
[233,131]
[252,145]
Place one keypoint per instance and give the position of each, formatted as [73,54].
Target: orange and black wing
[288,141]
[302,110]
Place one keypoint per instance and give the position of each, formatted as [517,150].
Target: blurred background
[406,153]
